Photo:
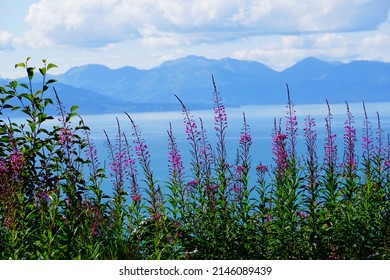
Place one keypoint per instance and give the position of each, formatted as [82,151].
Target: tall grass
[52,205]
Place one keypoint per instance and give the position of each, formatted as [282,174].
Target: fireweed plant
[301,206]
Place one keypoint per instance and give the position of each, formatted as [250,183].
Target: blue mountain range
[97,88]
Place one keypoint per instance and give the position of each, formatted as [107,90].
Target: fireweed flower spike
[176,168]
[243,162]
[143,155]
[65,131]
[141,149]
[367,142]
[310,136]
[330,146]
[245,142]
[279,150]
[291,125]
[193,136]
[220,122]
[350,161]
[311,189]
[206,156]
[117,156]
[131,172]
[379,140]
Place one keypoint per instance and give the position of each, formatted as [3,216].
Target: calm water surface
[154,126]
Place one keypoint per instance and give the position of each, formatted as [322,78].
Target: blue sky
[145,33]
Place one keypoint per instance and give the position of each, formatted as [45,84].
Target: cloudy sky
[144,33]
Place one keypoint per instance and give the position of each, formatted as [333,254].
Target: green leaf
[24,85]
[48,101]
[51,81]
[30,72]
[43,71]
[14,84]
[51,65]
[73,108]
[21,64]
[7,106]
[27,96]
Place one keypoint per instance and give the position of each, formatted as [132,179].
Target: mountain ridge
[240,82]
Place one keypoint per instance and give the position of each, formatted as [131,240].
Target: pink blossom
[279,151]
[330,146]
[211,189]
[245,138]
[7,223]
[303,214]
[262,169]
[136,197]
[239,169]
[16,162]
[350,161]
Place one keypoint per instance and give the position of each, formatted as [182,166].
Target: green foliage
[52,205]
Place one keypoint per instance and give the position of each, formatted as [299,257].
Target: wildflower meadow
[302,206]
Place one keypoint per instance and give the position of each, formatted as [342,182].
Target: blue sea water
[154,126]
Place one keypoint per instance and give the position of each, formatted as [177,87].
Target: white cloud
[95,23]
[287,50]
[5,40]
[379,40]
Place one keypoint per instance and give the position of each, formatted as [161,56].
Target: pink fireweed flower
[237,191]
[239,169]
[141,150]
[174,157]
[91,154]
[15,164]
[220,116]
[220,123]
[310,136]
[350,161]
[303,214]
[330,149]
[330,146]
[131,172]
[65,132]
[41,196]
[66,136]
[245,138]
[191,185]
[3,167]
[261,169]
[245,143]
[193,137]
[7,223]
[211,189]
[136,198]
[280,152]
